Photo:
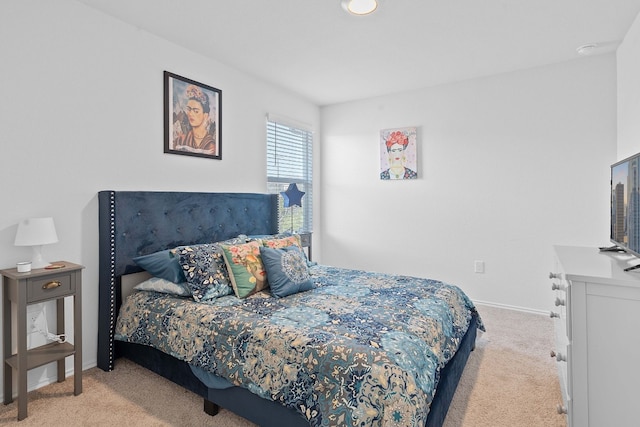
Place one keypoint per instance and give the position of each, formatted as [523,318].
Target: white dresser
[597,327]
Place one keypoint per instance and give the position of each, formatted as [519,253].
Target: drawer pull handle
[554,314]
[554,275]
[559,356]
[561,409]
[558,287]
[51,285]
[559,302]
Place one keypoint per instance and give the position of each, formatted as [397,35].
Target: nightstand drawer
[50,287]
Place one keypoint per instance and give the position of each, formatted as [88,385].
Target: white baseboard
[512,307]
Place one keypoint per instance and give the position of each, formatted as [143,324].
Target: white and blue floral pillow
[287,271]
[164,286]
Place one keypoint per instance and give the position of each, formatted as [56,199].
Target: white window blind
[290,160]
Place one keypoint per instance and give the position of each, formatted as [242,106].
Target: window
[290,160]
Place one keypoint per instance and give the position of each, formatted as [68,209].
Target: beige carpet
[509,381]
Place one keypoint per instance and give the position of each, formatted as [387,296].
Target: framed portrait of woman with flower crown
[398,153]
[192,118]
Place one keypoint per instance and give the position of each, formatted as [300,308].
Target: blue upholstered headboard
[134,223]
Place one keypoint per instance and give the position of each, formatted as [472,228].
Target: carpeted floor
[509,381]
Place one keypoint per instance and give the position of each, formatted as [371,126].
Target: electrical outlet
[33,312]
[478,266]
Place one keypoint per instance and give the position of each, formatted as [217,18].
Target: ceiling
[313,48]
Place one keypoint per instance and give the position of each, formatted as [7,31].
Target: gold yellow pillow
[283,242]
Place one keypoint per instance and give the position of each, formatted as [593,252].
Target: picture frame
[192,118]
[398,153]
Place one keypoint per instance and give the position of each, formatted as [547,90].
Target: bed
[369,374]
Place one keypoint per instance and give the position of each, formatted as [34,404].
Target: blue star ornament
[293,196]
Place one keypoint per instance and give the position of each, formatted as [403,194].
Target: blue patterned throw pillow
[205,271]
[287,271]
[162,264]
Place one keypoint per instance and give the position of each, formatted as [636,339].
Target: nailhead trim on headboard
[112,278]
[107,294]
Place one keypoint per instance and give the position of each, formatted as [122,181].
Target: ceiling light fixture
[360,7]
[586,49]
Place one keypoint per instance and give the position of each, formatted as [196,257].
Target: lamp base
[36,258]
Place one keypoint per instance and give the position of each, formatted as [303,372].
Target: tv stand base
[633,267]
[613,248]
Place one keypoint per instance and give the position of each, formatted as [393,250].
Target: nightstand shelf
[44,354]
[38,286]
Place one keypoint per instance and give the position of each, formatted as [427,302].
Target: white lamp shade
[36,231]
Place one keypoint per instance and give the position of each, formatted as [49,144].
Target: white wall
[81,110]
[509,165]
[629,93]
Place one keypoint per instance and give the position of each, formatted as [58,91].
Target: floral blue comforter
[361,348]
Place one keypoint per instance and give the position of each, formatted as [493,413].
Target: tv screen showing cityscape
[625,204]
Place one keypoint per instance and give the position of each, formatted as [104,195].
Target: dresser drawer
[562,300]
[562,331]
[50,287]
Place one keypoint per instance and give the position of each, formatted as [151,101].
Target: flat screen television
[625,205]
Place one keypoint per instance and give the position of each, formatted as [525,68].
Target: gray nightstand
[305,240]
[38,286]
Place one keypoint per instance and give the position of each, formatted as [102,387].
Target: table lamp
[36,232]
